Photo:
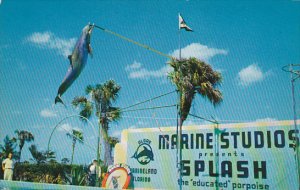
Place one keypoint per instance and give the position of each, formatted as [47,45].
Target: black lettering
[174,141]
[209,140]
[199,140]
[262,169]
[279,136]
[211,169]
[244,170]
[269,139]
[185,141]
[294,138]
[235,134]
[244,143]
[192,141]
[223,139]
[163,144]
[199,167]
[185,170]
[259,139]
[226,168]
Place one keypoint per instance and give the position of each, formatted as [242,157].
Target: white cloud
[133,66]
[251,74]
[50,41]
[65,127]
[199,51]
[202,52]
[40,38]
[137,71]
[47,113]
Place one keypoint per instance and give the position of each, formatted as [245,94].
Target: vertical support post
[179,124]
[216,130]
[296,127]
[99,143]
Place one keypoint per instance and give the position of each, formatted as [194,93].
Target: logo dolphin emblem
[78,60]
[144,154]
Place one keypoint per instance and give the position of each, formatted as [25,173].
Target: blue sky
[247,41]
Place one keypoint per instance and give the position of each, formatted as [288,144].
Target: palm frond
[78,100]
[114,113]
[89,89]
[86,107]
[191,76]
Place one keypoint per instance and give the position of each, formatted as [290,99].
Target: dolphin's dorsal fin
[70,59]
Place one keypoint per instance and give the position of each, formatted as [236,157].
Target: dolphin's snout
[91,27]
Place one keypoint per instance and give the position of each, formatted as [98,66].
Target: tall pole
[295,124]
[295,74]
[216,130]
[99,144]
[179,124]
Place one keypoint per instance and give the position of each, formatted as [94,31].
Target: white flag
[182,24]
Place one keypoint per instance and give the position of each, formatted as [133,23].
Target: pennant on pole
[182,24]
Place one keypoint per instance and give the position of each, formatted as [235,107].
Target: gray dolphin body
[78,60]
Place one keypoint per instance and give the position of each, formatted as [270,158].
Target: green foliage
[103,95]
[113,141]
[76,136]
[193,76]
[79,176]
[41,156]
[65,160]
[42,173]
[22,137]
[55,173]
[9,147]
[86,107]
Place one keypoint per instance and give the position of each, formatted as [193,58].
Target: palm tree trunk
[98,143]
[73,148]
[107,148]
[107,154]
[20,154]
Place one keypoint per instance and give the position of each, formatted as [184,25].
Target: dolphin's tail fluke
[59,100]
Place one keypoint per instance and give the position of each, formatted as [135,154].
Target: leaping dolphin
[78,60]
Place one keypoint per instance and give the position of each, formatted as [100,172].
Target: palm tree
[102,95]
[9,147]
[112,141]
[76,136]
[65,160]
[41,156]
[37,156]
[23,136]
[193,76]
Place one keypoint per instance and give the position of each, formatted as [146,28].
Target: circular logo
[143,154]
[118,177]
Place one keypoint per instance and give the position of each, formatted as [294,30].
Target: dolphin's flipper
[70,59]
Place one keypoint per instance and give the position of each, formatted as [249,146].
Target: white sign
[230,156]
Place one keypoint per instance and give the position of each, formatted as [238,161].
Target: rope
[150,108]
[134,42]
[149,100]
[215,122]
[160,128]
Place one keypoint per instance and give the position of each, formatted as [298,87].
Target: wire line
[132,41]
[149,100]
[150,108]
